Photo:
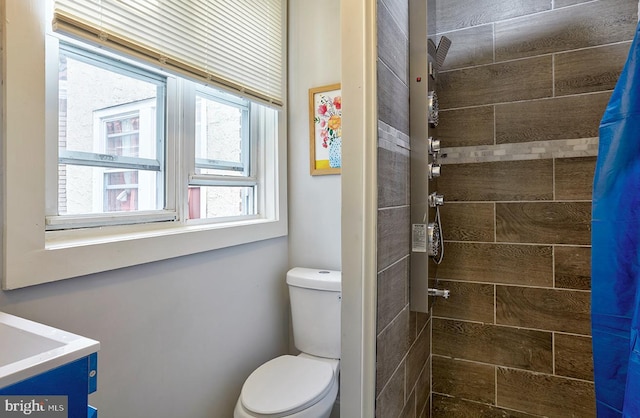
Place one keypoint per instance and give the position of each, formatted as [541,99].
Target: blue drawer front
[92,412]
[71,380]
[93,373]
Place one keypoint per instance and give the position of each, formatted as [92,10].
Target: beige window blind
[237,43]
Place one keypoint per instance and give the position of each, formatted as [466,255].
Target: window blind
[237,43]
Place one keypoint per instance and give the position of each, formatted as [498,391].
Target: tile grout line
[527,14]
[553,75]
[513,327]
[536,244]
[503,366]
[509,102]
[553,248]
[405,384]
[553,178]
[495,304]
[495,322]
[495,223]
[392,320]
[553,266]
[489,202]
[495,130]
[553,353]
[495,370]
[528,286]
[493,41]
[388,382]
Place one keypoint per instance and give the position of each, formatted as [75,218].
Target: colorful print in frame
[325,129]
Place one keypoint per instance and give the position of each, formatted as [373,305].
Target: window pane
[88,93]
[219,201]
[110,135]
[221,146]
[99,190]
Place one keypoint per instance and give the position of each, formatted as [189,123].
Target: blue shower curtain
[615,261]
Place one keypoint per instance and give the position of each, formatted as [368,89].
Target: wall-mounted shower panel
[421,82]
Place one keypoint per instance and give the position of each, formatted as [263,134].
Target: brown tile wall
[514,337]
[403,348]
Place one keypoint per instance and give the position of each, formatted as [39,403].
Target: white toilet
[303,386]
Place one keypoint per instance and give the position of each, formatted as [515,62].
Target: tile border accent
[392,139]
[534,150]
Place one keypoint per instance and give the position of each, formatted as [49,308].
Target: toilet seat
[286,385]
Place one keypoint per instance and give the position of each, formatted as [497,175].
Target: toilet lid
[286,384]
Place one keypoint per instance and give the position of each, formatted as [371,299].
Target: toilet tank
[315,310]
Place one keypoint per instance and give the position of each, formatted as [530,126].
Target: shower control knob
[434,145]
[433,170]
[435,199]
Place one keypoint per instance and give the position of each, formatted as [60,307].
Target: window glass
[221,201]
[221,137]
[223,184]
[110,136]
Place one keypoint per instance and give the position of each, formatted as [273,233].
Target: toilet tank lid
[319,279]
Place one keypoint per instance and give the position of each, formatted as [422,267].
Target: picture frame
[325,129]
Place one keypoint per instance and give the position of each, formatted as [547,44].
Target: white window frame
[252,117]
[31,254]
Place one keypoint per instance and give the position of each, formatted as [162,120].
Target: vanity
[45,370]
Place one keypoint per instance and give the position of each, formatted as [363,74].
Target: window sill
[55,240]
[67,254]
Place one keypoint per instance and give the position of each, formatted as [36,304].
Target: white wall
[314,201]
[178,337]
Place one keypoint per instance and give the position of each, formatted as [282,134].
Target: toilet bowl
[306,385]
[290,386]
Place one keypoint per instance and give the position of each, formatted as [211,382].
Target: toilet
[306,385]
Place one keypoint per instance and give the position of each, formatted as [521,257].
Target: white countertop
[29,348]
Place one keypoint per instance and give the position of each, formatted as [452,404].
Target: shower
[426,60]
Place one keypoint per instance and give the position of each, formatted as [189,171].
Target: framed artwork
[325,129]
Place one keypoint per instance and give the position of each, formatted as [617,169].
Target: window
[111,137]
[128,161]
[223,149]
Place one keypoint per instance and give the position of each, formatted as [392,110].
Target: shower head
[431,48]
[442,50]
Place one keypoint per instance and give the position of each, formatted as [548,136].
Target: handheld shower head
[442,50]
